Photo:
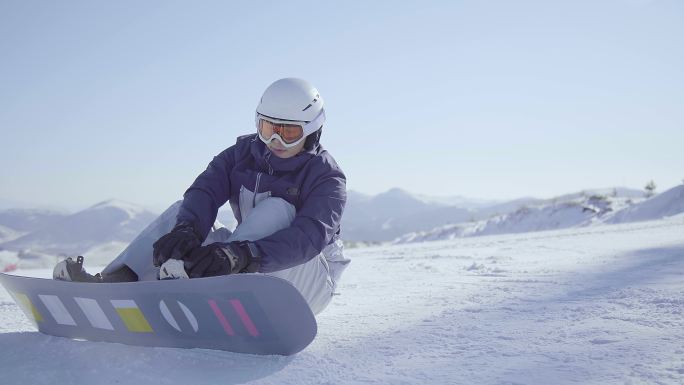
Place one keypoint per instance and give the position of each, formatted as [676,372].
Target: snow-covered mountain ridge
[103,230]
[668,203]
[572,210]
[395,213]
[108,222]
[8,234]
[23,221]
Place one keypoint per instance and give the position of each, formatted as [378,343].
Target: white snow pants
[314,279]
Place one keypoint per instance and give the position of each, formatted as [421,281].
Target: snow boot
[70,270]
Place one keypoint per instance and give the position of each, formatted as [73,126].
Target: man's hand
[176,244]
[219,259]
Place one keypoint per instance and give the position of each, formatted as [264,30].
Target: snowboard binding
[73,271]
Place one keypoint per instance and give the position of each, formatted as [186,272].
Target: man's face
[277,148]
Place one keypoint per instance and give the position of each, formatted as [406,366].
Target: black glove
[176,244]
[221,259]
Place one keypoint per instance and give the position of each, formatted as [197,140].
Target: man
[286,192]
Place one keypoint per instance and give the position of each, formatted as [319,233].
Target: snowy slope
[393,213]
[396,212]
[458,201]
[8,260]
[616,192]
[8,234]
[374,218]
[554,214]
[668,203]
[592,305]
[571,210]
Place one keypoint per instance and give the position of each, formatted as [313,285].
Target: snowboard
[244,313]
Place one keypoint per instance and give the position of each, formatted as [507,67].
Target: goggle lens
[290,133]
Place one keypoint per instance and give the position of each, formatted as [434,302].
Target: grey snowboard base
[245,313]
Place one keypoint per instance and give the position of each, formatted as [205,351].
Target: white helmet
[292,100]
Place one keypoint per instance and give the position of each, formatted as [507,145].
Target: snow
[571,210]
[460,201]
[131,209]
[591,305]
[397,213]
[8,260]
[670,202]
[8,234]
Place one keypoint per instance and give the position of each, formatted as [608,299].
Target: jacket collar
[266,161]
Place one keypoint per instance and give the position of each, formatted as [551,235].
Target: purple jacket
[311,181]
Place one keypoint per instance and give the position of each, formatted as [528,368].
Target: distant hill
[109,221]
[553,215]
[7,234]
[668,203]
[385,216]
[586,208]
[27,220]
[395,213]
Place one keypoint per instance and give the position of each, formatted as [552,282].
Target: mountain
[458,201]
[584,208]
[27,220]
[665,204]
[108,221]
[7,234]
[543,216]
[381,217]
[505,207]
[616,192]
[391,214]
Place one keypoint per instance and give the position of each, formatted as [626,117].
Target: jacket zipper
[256,190]
[256,187]
[270,169]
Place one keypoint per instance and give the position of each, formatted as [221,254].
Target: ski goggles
[289,132]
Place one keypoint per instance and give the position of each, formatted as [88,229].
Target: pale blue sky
[488,99]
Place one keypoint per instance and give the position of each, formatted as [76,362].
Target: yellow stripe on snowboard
[131,316]
[27,306]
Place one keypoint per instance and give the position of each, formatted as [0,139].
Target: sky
[484,99]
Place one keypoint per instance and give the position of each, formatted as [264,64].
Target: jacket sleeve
[314,226]
[207,194]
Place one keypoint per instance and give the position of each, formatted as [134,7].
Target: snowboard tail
[245,313]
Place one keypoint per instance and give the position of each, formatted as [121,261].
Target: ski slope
[593,305]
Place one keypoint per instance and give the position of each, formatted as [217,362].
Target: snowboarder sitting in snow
[286,192]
